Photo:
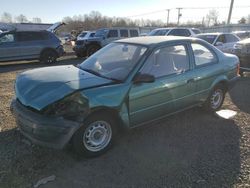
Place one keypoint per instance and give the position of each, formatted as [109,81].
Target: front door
[8,48]
[170,92]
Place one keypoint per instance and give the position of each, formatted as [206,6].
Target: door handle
[190,80]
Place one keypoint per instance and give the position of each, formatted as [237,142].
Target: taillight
[238,70]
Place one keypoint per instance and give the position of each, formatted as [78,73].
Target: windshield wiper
[100,75]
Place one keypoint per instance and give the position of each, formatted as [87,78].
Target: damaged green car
[126,84]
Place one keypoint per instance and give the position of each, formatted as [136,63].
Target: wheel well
[94,44]
[223,83]
[109,112]
[48,49]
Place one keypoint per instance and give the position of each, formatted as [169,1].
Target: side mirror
[218,43]
[143,78]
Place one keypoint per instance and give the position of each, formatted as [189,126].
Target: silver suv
[29,45]
[101,38]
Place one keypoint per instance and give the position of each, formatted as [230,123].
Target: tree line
[8,18]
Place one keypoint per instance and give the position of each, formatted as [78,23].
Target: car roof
[155,40]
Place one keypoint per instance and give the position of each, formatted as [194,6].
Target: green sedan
[126,84]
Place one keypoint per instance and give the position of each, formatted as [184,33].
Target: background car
[242,34]
[223,41]
[29,45]
[85,35]
[242,50]
[185,32]
[101,38]
[128,83]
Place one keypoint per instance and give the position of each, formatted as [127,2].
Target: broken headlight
[72,107]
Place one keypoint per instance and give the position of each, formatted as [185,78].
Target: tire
[79,55]
[48,57]
[96,136]
[92,49]
[215,99]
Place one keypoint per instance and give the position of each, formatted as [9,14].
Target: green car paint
[46,89]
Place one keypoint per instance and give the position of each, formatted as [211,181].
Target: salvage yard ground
[190,149]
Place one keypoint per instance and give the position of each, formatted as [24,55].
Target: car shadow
[240,94]
[9,67]
[190,149]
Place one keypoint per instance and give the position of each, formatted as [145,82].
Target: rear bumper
[232,82]
[53,132]
[60,51]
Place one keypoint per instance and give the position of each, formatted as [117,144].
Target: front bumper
[80,49]
[53,132]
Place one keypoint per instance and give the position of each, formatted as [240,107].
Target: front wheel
[92,49]
[215,99]
[95,137]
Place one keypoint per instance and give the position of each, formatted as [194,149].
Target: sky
[51,11]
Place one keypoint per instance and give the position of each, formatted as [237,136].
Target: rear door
[205,70]
[31,42]
[172,89]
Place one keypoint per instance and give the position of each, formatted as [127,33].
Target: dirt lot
[190,149]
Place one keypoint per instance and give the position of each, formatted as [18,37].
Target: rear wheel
[216,98]
[92,49]
[48,56]
[95,137]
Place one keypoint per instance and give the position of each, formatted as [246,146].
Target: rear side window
[134,33]
[31,36]
[231,38]
[124,32]
[160,32]
[180,32]
[112,33]
[203,56]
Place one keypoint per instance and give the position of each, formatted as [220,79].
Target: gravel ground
[190,149]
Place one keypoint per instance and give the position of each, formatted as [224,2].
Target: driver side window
[166,61]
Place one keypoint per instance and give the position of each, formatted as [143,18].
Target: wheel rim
[216,98]
[50,58]
[97,136]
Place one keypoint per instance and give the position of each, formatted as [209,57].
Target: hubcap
[216,98]
[97,136]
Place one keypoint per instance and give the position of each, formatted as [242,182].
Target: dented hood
[40,87]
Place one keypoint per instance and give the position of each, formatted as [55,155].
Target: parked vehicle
[128,83]
[101,38]
[242,34]
[242,50]
[223,41]
[86,35]
[185,32]
[29,45]
[66,38]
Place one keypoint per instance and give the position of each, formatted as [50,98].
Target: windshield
[101,32]
[83,34]
[158,32]
[209,38]
[115,61]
